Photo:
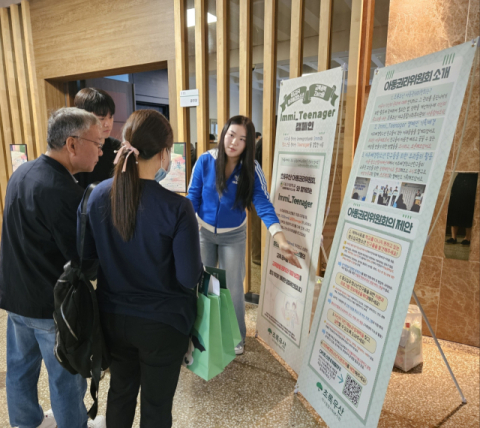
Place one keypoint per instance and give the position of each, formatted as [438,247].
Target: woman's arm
[266,211]
[186,248]
[196,184]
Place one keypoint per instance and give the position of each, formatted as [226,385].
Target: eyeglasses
[99,146]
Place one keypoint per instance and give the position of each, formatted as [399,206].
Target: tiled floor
[255,390]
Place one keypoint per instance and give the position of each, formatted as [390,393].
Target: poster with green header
[306,129]
[404,145]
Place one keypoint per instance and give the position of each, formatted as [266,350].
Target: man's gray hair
[68,122]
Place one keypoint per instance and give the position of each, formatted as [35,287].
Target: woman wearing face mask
[225,182]
[146,240]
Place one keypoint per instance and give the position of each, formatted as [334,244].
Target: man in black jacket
[38,238]
[101,104]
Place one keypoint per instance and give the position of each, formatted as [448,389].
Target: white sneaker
[48,420]
[239,349]
[98,422]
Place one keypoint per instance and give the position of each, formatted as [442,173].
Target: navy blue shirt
[154,274]
[38,235]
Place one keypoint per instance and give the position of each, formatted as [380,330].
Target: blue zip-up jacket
[218,212]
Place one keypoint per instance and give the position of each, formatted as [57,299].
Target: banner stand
[424,315]
[417,301]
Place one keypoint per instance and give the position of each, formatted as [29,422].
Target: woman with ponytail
[225,182]
[146,240]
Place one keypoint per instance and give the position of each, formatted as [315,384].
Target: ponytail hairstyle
[246,180]
[146,133]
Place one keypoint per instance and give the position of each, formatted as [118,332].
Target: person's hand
[289,254]
[287,250]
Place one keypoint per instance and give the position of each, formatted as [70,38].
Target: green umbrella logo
[319,386]
[269,331]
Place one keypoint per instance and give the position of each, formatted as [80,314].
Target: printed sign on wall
[403,149]
[307,119]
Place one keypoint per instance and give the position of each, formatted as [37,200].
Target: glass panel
[311,25]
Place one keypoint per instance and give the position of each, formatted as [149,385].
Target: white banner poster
[404,144]
[307,120]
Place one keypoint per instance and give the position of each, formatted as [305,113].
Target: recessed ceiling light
[191,18]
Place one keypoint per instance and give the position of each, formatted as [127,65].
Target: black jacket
[104,168]
[38,235]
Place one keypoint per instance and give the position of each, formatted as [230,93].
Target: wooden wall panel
[39,125]
[23,84]
[296,38]
[269,96]
[361,30]
[324,37]
[54,96]
[351,98]
[223,75]
[11,79]
[245,109]
[74,38]
[5,116]
[181,66]
[3,171]
[201,71]
[16,90]
[245,54]
[368,15]
[172,98]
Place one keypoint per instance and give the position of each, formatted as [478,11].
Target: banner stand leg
[464,401]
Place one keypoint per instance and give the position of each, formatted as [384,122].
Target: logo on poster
[279,341]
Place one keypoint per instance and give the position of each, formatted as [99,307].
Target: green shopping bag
[231,336]
[216,328]
[207,328]
[227,302]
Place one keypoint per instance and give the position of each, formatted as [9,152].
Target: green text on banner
[307,120]
[405,141]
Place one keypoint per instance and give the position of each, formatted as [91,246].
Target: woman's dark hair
[244,195]
[95,101]
[150,133]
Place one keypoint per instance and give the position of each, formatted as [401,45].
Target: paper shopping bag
[228,304]
[228,342]
[209,362]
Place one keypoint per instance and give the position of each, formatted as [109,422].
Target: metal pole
[464,401]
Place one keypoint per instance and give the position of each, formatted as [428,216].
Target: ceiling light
[191,18]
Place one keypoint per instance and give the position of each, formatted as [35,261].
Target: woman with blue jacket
[225,182]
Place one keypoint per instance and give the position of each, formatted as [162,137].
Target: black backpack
[79,343]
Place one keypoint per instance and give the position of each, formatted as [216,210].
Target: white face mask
[162,173]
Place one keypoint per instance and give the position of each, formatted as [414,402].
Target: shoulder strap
[86,196]
[96,340]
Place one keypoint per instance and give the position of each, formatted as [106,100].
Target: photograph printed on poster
[412,196]
[389,193]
